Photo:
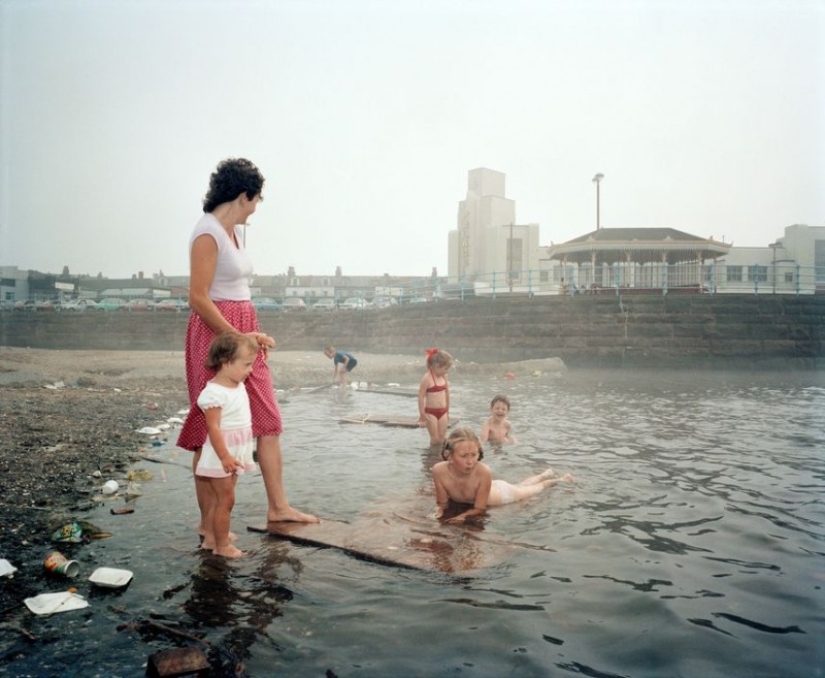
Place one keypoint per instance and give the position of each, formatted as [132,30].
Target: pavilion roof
[639,245]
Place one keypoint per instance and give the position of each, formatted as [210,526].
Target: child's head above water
[436,358]
[228,346]
[500,398]
[460,435]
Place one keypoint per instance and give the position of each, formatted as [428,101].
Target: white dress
[236,427]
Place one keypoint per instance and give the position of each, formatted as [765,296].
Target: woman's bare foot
[549,473]
[232,537]
[228,551]
[291,515]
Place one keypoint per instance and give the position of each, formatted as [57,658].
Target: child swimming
[462,478]
[497,428]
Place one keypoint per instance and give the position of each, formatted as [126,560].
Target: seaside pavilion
[641,258]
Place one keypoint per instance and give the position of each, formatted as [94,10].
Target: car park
[294,304]
[23,305]
[81,305]
[324,305]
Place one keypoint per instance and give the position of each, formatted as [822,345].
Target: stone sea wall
[690,331]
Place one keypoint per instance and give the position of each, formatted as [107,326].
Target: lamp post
[597,180]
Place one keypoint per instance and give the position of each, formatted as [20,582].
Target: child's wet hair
[438,358]
[500,398]
[227,346]
[460,435]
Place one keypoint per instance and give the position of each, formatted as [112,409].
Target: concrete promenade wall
[690,331]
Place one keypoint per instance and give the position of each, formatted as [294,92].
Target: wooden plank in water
[388,540]
[399,391]
[387,420]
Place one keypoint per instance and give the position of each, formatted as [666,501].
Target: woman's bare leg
[271,463]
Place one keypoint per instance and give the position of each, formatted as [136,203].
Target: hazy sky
[365,117]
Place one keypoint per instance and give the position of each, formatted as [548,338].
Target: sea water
[692,543]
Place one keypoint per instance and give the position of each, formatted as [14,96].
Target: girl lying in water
[463,479]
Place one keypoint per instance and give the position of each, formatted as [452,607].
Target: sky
[365,117]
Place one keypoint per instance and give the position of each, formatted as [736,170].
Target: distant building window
[788,277]
[544,276]
[759,273]
[326,282]
[293,282]
[734,273]
[819,260]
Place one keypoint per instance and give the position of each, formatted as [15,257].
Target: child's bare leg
[533,480]
[432,429]
[522,491]
[210,501]
[442,427]
[225,500]
[202,492]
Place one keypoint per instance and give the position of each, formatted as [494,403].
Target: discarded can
[71,533]
[110,487]
[57,563]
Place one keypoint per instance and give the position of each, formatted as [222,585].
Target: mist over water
[691,544]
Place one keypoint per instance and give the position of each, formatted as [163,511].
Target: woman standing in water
[220,299]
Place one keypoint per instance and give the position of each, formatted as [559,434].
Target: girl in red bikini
[434,396]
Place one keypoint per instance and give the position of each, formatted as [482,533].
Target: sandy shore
[290,369]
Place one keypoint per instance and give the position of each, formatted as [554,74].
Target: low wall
[651,331]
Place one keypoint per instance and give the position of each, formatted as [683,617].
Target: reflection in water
[691,543]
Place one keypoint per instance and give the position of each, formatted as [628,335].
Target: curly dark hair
[226,347]
[232,177]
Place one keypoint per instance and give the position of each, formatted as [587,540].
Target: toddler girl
[227,452]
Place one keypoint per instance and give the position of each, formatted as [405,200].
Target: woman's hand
[263,340]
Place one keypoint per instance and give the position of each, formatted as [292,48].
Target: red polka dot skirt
[266,417]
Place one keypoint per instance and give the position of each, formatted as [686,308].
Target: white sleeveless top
[233,268]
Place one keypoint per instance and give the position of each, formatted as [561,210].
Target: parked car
[353,302]
[324,305]
[175,305]
[385,301]
[44,305]
[267,304]
[82,305]
[294,304]
[138,305]
[112,304]
[27,305]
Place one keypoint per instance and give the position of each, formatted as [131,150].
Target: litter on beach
[49,603]
[6,568]
[110,577]
[149,430]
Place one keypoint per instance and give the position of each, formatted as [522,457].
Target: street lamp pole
[597,180]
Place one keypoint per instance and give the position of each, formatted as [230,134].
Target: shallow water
[691,544]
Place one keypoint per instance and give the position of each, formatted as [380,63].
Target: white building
[794,264]
[488,240]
